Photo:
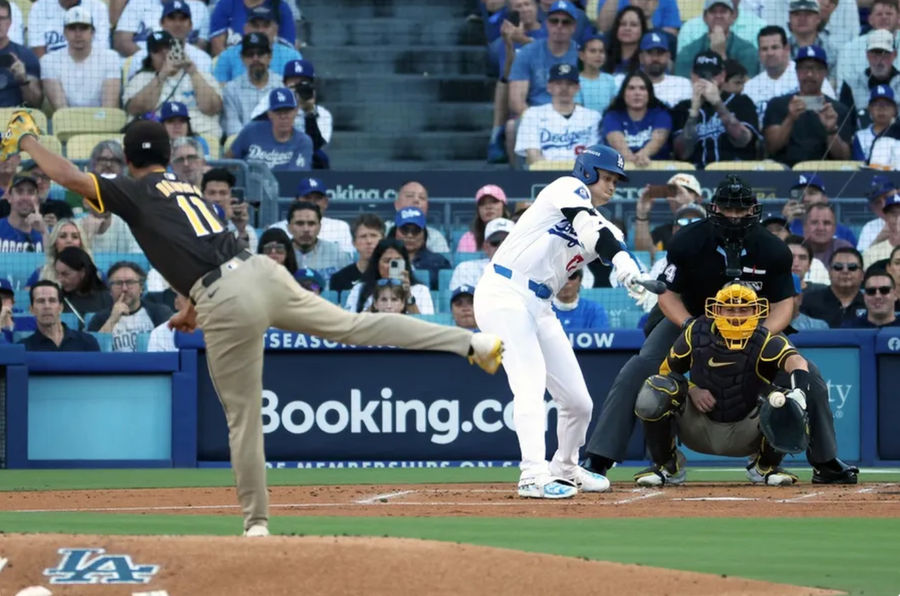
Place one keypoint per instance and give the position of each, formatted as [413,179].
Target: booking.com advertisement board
[381,405]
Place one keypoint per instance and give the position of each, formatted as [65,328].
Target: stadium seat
[442,318]
[104,260]
[444,276]
[661,164]
[745,166]
[458,257]
[39,117]
[330,296]
[67,122]
[104,339]
[827,164]
[546,165]
[19,266]
[50,142]
[80,146]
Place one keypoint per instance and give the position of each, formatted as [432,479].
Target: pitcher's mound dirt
[275,566]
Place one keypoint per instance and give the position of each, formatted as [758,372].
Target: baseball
[776,399]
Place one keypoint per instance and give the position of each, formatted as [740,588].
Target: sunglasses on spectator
[275,247]
[563,22]
[683,221]
[847,266]
[387,281]
[883,290]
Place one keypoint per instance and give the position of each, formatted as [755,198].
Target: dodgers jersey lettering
[543,245]
[196,241]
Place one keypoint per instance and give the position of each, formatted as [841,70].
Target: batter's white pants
[537,356]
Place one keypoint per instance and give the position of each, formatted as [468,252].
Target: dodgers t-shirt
[13,240]
[639,132]
[256,143]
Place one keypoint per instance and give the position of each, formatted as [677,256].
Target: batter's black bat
[653,286]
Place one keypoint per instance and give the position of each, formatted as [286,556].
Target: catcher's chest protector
[735,386]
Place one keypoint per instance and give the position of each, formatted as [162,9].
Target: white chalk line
[383,497]
[800,497]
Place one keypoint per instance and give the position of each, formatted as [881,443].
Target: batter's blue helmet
[598,157]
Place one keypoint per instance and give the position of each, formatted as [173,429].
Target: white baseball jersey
[670,90]
[543,245]
[556,136]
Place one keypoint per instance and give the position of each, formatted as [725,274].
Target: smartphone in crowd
[6,60]
[658,191]
[237,195]
[395,269]
[513,17]
[813,102]
[176,51]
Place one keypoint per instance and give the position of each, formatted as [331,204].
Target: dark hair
[42,282]
[892,3]
[878,271]
[734,68]
[126,265]
[4,3]
[614,48]
[61,209]
[301,206]
[218,175]
[75,258]
[846,250]
[798,240]
[772,30]
[280,236]
[147,143]
[618,104]
[370,276]
[368,220]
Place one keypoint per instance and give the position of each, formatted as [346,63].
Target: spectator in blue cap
[175,117]
[140,17]
[310,279]
[880,188]
[655,56]
[409,228]
[230,15]
[598,88]
[275,143]
[461,307]
[243,93]
[875,144]
[809,190]
[260,19]
[808,125]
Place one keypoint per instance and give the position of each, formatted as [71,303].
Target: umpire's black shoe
[597,464]
[834,472]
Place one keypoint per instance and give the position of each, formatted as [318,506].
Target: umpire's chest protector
[730,375]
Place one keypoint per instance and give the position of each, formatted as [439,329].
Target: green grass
[855,555]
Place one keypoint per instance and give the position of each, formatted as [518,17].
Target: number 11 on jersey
[198,213]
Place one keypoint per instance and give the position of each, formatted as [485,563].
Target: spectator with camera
[808,125]
[713,125]
[20,70]
[229,17]
[840,302]
[129,315]
[637,124]
[809,190]
[409,228]
[680,190]
[390,261]
[218,188]
[229,65]
[560,129]
[719,16]
[170,76]
[275,142]
[52,335]
[177,22]
[368,230]
[81,75]
[305,223]
[243,93]
[46,24]
[141,17]
[656,61]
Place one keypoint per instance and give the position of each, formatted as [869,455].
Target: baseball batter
[560,233]
[234,295]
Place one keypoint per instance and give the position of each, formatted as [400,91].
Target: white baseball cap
[78,15]
[880,39]
[687,181]
[500,224]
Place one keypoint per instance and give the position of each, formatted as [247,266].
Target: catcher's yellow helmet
[737,311]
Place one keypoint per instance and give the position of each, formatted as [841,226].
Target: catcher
[732,361]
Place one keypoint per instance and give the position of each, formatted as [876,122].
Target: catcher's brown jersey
[177,230]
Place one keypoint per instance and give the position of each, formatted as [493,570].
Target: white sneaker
[486,351]
[590,482]
[546,487]
[256,531]
[776,476]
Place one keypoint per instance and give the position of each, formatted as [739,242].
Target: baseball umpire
[732,362]
[234,295]
[730,244]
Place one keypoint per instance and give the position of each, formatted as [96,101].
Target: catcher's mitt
[21,124]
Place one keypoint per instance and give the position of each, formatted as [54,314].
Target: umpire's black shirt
[696,268]
[177,230]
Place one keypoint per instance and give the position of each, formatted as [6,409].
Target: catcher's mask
[737,311]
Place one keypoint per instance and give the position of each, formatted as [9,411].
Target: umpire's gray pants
[616,420]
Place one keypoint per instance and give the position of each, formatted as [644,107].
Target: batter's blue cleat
[546,487]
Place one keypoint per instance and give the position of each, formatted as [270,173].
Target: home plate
[714,499]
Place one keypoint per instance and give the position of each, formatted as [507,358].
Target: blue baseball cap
[173,109]
[311,185]
[892,201]
[176,6]
[282,98]
[410,215]
[460,290]
[158,40]
[263,13]
[590,34]
[563,72]
[563,6]
[774,216]
[653,40]
[813,180]
[299,68]
[6,285]
[812,53]
[310,279]
[880,185]
[881,92]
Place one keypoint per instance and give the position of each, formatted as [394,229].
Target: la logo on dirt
[93,566]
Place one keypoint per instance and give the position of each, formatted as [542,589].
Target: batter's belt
[540,290]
